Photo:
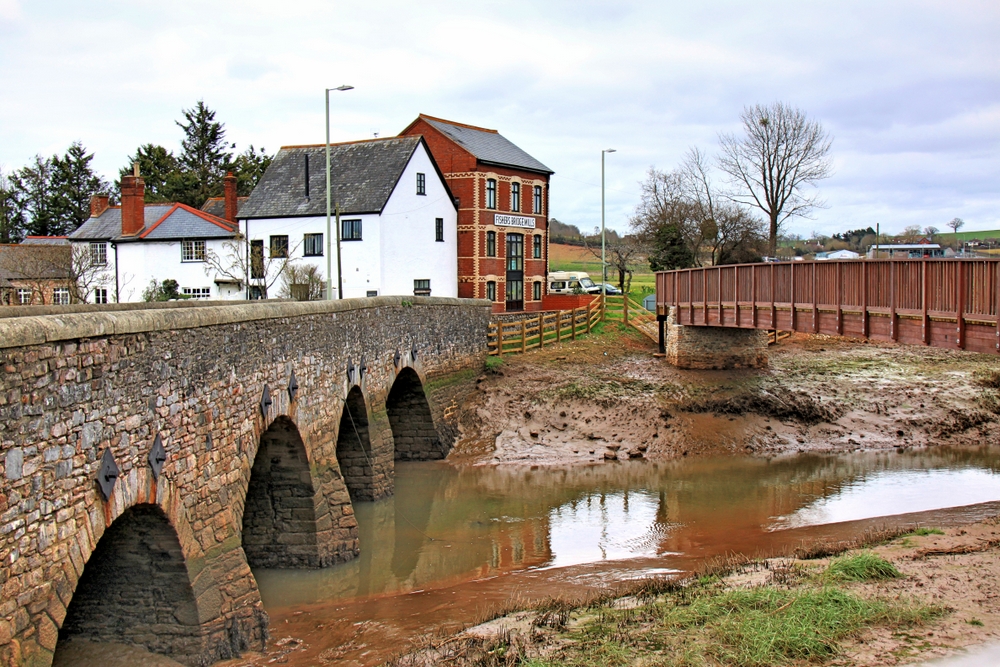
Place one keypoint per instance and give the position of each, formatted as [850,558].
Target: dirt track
[607,397]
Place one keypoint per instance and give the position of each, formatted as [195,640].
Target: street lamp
[329,268]
[604,265]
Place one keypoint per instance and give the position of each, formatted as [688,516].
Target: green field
[948,237]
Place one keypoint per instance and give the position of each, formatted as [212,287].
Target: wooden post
[541,330]
[774,308]
[864,299]
[500,338]
[604,308]
[960,306]
[572,326]
[589,307]
[924,293]
[815,302]
[524,336]
[893,334]
[704,294]
[625,308]
[791,293]
[996,286]
[690,296]
[722,313]
[559,326]
[753,294]
[736,290]
[840,298]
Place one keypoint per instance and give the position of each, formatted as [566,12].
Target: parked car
[609,289]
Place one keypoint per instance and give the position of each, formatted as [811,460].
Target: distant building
[907,251]
[36,272]
[503,194]
[398,219]
[137,243]
[838,254]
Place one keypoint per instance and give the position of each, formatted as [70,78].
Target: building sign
[513,221]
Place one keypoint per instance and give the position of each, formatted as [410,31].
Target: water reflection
[446,526]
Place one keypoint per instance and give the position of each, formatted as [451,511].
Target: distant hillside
[561,232]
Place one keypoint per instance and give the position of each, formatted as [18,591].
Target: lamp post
[604,265]
[329,267]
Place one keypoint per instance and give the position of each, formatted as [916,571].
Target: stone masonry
[714,347]
[80,384]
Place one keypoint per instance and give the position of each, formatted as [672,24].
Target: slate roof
[363,174]
[488,146]
[45,240]
[217,206]
[162,222]
[33,261]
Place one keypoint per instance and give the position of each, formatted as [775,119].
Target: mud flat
[605,397]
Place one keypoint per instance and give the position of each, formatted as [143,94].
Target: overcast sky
[909,90]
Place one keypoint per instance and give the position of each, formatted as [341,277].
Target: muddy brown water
[455,543]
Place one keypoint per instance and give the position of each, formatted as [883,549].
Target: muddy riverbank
[606,397]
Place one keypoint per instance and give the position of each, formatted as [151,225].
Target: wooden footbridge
[949,303]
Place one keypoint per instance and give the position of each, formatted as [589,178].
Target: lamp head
[609,150]
[344,87]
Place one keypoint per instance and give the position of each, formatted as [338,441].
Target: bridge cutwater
[149,457]
[948,303]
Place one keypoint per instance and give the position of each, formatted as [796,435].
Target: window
[279,246]
[491,193]
[192,251]
[536,247]
[99,254]
[439,229]
[24,295]
[371,292]
[197,292]
[538,200]
[350,230]
[491,290]
[491,244]
[100,295]
[60,296]
[536,291]
[421,288]
[421,184]
[257,259]
[515,252]
[515,197]
[312,245]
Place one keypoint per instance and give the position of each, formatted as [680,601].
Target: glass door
[515,272]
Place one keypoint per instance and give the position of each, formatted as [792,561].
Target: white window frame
[197,292]
[99,253]
[25,295]
[193,250]
[101,295]
[60,296]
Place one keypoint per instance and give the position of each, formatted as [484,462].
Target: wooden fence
[543,329]
[951,303]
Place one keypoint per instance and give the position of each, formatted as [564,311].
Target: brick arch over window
[135,589]
[413,434]
[286,518]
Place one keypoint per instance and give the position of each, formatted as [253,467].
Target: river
[454,543]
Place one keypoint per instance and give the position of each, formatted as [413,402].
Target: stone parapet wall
[698,347]
[76,385]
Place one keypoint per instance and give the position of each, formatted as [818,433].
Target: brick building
[503,195]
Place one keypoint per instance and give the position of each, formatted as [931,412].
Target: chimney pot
[98,205]
[133,204]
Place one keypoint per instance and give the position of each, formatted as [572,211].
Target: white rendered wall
[409,249]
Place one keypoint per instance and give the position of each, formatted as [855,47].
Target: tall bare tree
[780,153]
[623,255]
[956,224]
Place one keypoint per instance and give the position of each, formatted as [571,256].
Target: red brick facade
[467,177]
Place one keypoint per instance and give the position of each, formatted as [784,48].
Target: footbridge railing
[950,303]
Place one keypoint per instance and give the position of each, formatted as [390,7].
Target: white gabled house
[398,220]
[138,243]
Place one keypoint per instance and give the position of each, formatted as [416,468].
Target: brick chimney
[133,203]
[98,205]
[229,186]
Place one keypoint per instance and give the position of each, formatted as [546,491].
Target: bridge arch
[286,517]
[355,454]
[413,433]
[136,588]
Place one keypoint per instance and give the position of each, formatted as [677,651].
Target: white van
[572,282]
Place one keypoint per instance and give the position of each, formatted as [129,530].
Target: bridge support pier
[698,347]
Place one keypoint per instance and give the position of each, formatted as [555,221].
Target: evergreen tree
[159,169]
[669,250]
[204,154]
[33,198]
[248,168]
[11,222]
[73,184]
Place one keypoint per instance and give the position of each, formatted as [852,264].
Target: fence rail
[950,303]
[544,329]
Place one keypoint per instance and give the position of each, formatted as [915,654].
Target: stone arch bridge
[150,457]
